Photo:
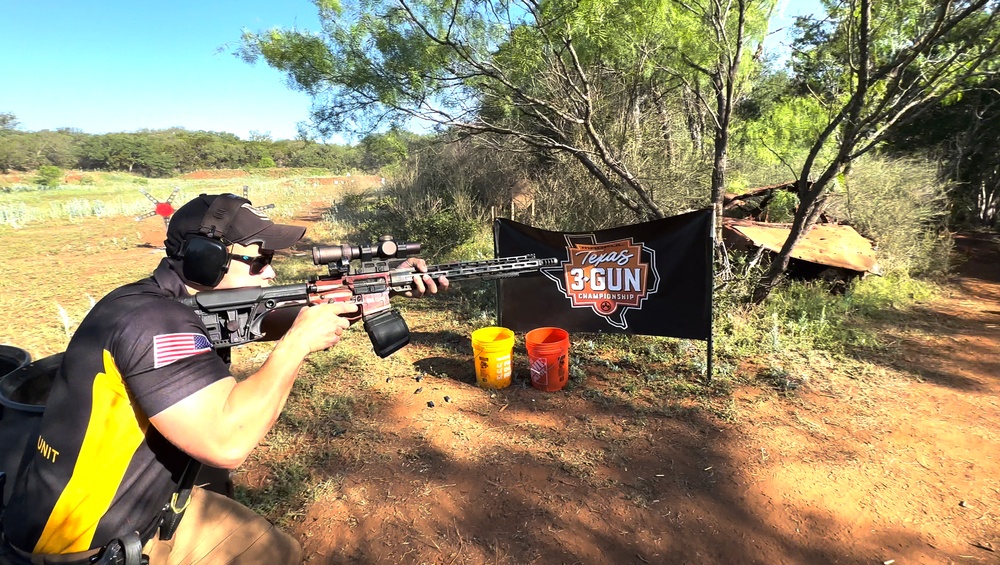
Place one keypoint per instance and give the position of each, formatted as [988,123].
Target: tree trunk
[719,166]
[812,198]
[812,202]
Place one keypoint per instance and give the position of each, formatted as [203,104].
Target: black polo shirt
[99,469]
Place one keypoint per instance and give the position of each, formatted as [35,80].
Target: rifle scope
[385,248]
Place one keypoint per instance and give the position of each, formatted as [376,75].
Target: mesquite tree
[581,79]
[875,65]
[724,31]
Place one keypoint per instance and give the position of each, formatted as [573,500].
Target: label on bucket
[540,371]
[549,372]
[493,371]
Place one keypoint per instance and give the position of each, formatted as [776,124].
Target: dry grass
[72,245]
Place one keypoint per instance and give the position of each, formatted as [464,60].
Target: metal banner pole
[709,369]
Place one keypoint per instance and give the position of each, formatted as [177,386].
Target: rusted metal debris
[833,245]
[753,203]
[733,200]
[828,250]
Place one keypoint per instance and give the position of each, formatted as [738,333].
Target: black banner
[653,278]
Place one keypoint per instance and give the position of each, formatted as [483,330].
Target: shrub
[49,176]
[398,212]
[804,316]
[436,199]
[902,205]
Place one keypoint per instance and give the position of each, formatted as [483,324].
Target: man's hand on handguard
[424,283]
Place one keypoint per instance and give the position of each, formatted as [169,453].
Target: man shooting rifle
[141,394]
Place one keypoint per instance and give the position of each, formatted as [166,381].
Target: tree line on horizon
[168,152]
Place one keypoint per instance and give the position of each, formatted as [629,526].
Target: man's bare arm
[221,424]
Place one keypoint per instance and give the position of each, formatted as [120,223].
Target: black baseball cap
[249,226]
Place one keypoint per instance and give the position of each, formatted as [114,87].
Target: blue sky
[781,23]
[112,66]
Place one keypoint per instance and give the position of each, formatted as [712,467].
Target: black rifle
[240,315]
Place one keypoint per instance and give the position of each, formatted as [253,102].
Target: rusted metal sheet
[826,244]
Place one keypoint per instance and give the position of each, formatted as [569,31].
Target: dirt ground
[897,462]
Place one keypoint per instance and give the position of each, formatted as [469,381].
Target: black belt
[125,550]
[79,558]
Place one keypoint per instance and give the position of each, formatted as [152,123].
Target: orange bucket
[492,349]
[548,355]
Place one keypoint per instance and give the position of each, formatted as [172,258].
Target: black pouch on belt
[126,550]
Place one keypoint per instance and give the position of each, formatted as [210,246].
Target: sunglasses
[257,264]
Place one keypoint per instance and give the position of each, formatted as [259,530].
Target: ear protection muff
[205,255]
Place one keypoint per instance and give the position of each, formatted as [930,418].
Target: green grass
[807,316]
[803,320]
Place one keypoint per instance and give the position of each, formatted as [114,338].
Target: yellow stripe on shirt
[114,432]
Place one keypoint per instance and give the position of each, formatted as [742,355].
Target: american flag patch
[171,347]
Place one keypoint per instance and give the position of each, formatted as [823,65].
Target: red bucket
[548,355]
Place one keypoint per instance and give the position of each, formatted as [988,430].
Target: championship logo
[609,277]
